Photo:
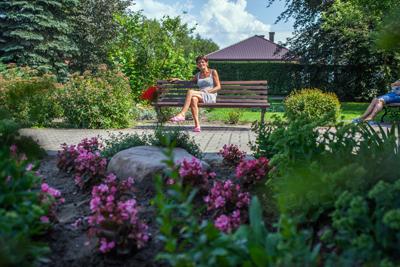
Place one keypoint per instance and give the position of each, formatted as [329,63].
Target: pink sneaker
[196,129]
[177,119]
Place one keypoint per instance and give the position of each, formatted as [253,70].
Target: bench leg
[159,115]
[384,114]
[263,110]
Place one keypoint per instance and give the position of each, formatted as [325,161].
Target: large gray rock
[143,162]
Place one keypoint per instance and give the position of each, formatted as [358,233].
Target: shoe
[357,120]
[177,119]
[196,129]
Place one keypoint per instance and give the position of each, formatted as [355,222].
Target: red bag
[150,93]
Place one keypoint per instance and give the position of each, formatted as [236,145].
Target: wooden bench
[233,94]
[394,110]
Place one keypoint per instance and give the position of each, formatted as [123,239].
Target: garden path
[211,139]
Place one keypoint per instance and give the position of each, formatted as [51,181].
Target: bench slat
[241,97]
[225,105]
[223,87]
[180,100]
[222,91]
[163,82]
[245,82]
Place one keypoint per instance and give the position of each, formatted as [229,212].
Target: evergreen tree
[94,29]
[36,33]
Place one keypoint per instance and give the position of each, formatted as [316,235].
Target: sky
[224,21]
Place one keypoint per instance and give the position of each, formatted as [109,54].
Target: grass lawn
[350,110]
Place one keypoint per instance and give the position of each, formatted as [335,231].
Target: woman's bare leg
[188,100]
[369,109]
[378,107]
[195,111]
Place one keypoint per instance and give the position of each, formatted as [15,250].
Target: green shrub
[189,242]
[9,136]
[234,116]
[365,227]
[97,100]
[20,212]
[354,158]
[164,114]
[119,142]
[180,138]
[30,98]
[145,112]
[313,105]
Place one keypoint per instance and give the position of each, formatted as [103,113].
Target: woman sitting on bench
[208,81]
[378,103]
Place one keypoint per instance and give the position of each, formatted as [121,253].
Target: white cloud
[156,9]
[282,36]
[224,21]
[227,22]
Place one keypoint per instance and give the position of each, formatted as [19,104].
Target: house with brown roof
[255,48]
[257,58]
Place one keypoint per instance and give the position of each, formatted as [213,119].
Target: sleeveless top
[206,83]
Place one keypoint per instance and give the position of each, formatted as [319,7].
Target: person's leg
[369,109]
[188,100]
[195,111]
[378,107]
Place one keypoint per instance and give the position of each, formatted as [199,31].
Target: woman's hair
[201,57]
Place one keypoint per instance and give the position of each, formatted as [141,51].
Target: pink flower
[219,202]
[231,154]
[251,171]
[13,150]
[54,192]
[106,246]
[29,167]
[44,187]
[222,223]
[44,219]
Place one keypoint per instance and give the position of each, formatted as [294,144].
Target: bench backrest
[249,93]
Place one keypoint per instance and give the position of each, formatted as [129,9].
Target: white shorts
[208,98]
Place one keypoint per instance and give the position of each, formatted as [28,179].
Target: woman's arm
[217,84]
[194,79]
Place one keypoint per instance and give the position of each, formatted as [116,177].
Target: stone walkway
[211,139]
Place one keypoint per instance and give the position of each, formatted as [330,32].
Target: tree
[94,29]
[339,34]
[202,46]
[388,35]
[36,33]
[147,50]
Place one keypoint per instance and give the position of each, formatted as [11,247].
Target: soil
[70,245]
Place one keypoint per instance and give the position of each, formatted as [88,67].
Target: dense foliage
[25,210]
[341,33]
[148,50]
[28,97]
[190,242]
[97,100]
[312,105]
[37,33]
[329,180]
[119,142]
[343,80]
[94,28]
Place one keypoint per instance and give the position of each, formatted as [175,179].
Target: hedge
[347,82]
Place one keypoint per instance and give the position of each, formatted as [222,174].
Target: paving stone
[211,139]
